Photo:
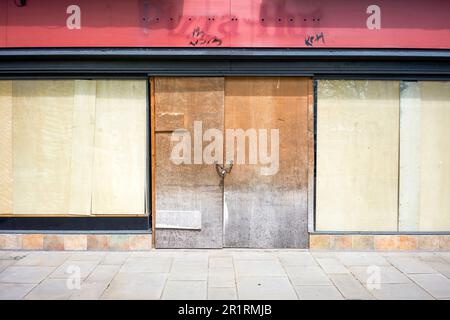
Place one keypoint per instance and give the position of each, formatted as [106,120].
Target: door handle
[222,171]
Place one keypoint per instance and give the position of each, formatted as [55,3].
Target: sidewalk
[224,274]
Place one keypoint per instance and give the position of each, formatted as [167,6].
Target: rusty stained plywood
[357,155]
[169,121]
[6,147]
[188,187]
[268,211]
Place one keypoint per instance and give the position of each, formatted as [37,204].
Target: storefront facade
[216,124]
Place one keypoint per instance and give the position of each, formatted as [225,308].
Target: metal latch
[222,171]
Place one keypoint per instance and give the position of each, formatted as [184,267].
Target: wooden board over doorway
[268,210]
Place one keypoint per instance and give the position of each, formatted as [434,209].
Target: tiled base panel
[134,242]
[81,242]
[380,242]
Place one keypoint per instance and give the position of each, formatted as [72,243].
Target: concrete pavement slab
[318,293]
[265,288]
[136,286]
[25,274]
[435,284]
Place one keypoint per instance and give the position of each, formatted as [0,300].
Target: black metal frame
[75,224]
[141,63]
[315,154]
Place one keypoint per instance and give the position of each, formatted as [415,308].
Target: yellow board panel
[119,169]
[410,150]
[6,147]
[42,136]
[82,147]
[357,156]
[435,157]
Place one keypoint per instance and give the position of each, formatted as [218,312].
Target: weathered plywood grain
[435,157]
[268,210]
[42,138]
[83,125]
[357,155]
[6,147]
[119,169]
[169,121]
[188,187]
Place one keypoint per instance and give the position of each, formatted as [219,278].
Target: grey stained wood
[169,219]
[268,211]
[187,187]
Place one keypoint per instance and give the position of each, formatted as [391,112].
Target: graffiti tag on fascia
[200,38]
[310,41]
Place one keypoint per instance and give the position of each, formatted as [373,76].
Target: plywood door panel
[190,187]
[83,125]
[357,155]
[435,157]
[6,147]
[119,170]
[42,139]
[261,209]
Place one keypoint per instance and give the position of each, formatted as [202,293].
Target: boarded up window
[425,156]
[357,155]
[72,147]
[6,147]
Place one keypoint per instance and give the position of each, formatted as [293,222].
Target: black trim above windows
[143,62]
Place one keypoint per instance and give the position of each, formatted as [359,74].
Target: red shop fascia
[388,24]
